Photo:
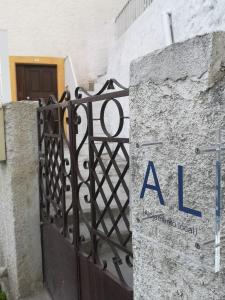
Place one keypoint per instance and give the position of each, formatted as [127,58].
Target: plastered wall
[81,29]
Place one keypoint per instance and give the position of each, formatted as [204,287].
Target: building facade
[40,31]
[96,40]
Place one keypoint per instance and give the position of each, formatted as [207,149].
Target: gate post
[177,106]
[20,244]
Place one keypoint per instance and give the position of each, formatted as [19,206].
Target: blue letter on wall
[155,187]
[181,197]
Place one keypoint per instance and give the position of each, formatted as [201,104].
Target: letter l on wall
[181,195]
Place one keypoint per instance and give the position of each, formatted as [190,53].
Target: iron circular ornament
[121,117]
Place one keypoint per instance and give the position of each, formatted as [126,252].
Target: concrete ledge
[193,58]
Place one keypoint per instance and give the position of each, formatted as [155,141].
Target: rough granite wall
[20,244]
[177,97]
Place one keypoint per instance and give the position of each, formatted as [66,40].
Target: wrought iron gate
[84,195]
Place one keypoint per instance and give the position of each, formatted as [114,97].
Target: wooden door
[36,81]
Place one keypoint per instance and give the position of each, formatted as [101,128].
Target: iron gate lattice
[84,195]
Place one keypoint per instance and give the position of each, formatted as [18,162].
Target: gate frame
[65,104]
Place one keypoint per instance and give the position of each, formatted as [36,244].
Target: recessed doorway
[41,76]
[36,81]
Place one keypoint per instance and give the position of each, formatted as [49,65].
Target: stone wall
[177,100]
[20,243]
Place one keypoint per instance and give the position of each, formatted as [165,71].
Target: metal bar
[61,175]
[146,144]
[218,216]
[47,183]
[98,211]
[109,181]
[210,149]
[119,94]
[109,210]
[56,178]
[110,139]
[101,182]
[40,165]
[129,13]
[115,190]
[110,241]
[171,27]
[75,196]
[40,183]
[92,180]
[218,204]
[118,169]
[115,223]
[222,237]
[216,148]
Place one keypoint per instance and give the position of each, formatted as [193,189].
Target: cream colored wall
[82,29]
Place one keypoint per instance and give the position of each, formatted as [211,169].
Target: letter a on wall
[146,185]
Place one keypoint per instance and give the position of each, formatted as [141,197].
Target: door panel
[99,284]
[59,260]
[36,81]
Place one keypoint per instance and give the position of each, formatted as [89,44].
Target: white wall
[85,30]
[81,29]
[5,92]
[70,76]
[190,18]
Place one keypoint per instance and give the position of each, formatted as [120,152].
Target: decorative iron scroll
[83,175]
[54,178]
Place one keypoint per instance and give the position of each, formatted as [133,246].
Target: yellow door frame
[59,62]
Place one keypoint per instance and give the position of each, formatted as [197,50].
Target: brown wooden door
[36,81]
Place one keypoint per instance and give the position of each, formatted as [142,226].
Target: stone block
[20,242]
[177,100]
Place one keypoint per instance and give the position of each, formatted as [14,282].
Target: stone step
[85,221]
[104,246]
[114,211]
